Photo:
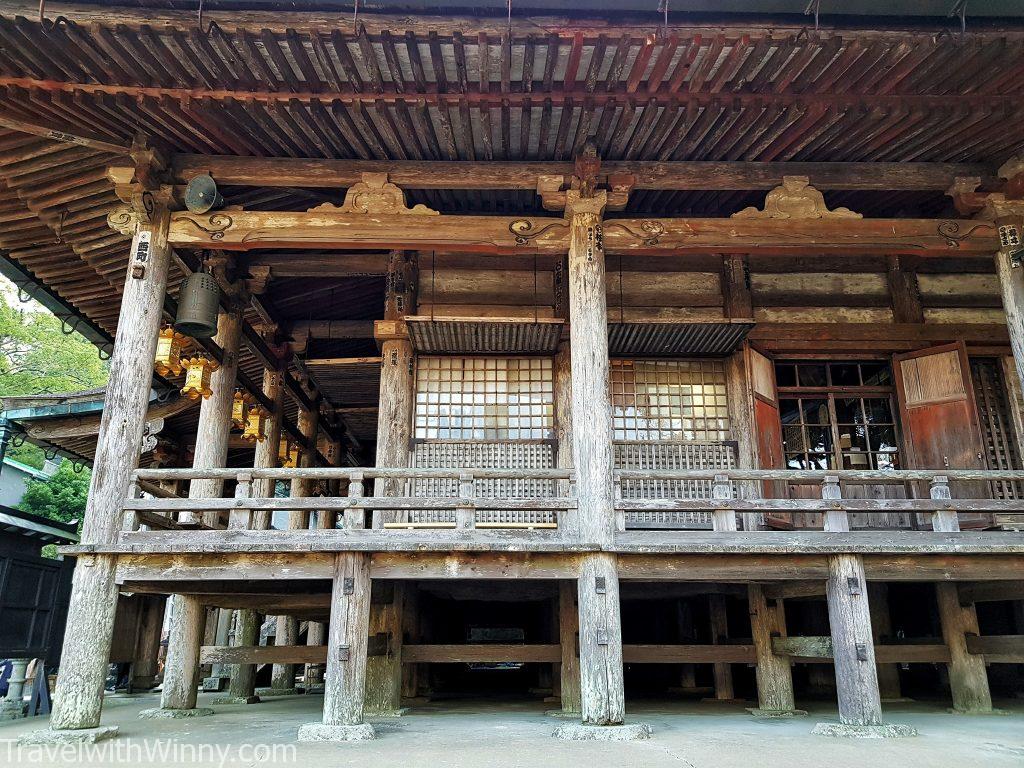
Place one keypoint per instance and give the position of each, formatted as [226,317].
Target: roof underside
[424,86]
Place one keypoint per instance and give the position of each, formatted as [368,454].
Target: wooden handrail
[413,473]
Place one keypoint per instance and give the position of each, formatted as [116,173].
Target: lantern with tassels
[256,425]
[288,454]
[168,352]
[239,409]
[197,377]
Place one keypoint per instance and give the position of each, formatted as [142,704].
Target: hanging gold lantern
[197,377]
[256,425]
[239,406]
[168,352]
[288,454]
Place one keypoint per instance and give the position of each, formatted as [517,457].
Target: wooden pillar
[146,667]
[602,695]
[345,681]
[282,680]
[411,632]
[968,680]
[568,637]
[601,688]
[214,427]
[267,451]
[211,451]
[740,397]
[90,624]
[1011,284]
[242,685]
[774,674]
[719,635]
[881,626]
[384,667]
[853,647]
[394,413]
[181,673]
[394,417]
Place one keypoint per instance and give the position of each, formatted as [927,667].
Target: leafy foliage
[61,497]
[37,357]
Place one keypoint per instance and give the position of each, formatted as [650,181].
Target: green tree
[37,357]
[61,497]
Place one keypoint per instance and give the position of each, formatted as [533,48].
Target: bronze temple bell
[198,305]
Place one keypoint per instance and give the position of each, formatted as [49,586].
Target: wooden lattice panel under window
[484,455]
[671,456]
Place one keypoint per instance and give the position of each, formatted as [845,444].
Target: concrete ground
[469,734]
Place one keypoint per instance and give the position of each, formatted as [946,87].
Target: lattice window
[669,401]
[484,398]
[996,424]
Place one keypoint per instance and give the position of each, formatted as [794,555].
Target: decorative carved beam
[242,230]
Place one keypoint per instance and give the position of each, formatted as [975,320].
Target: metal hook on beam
[959,10]
[105,352]
[813,8]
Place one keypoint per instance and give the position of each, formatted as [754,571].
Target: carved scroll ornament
[795,199]
[375,195]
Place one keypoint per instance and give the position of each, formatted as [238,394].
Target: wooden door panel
[768,430]
[940,419]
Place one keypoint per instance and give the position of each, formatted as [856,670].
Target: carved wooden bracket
[795,199]
[1013,172]
[553,196]
[375,195]
[966,198]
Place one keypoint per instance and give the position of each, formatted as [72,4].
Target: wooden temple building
[585,350]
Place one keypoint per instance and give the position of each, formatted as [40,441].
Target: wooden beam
[244,230]
[282,21]
[689,654]
[998,649]
[989,591]
[688,175]
[302,264]
[817,649]
[263,654]
[480,653]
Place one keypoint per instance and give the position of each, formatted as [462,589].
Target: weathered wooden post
[1009,218]
[211,451]
[602,696]
[720,634]
[242,685]
[384,666]
[394,413]
[853,645]
[968,679]
[181,672]
[774,673]
[347,639]
[282,681]
[78,700]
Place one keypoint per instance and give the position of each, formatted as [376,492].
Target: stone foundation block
[776,713]
[844,731]
[322,732]
[581,732]
[158,713]
[264,692]
[236,700]
[68,736]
